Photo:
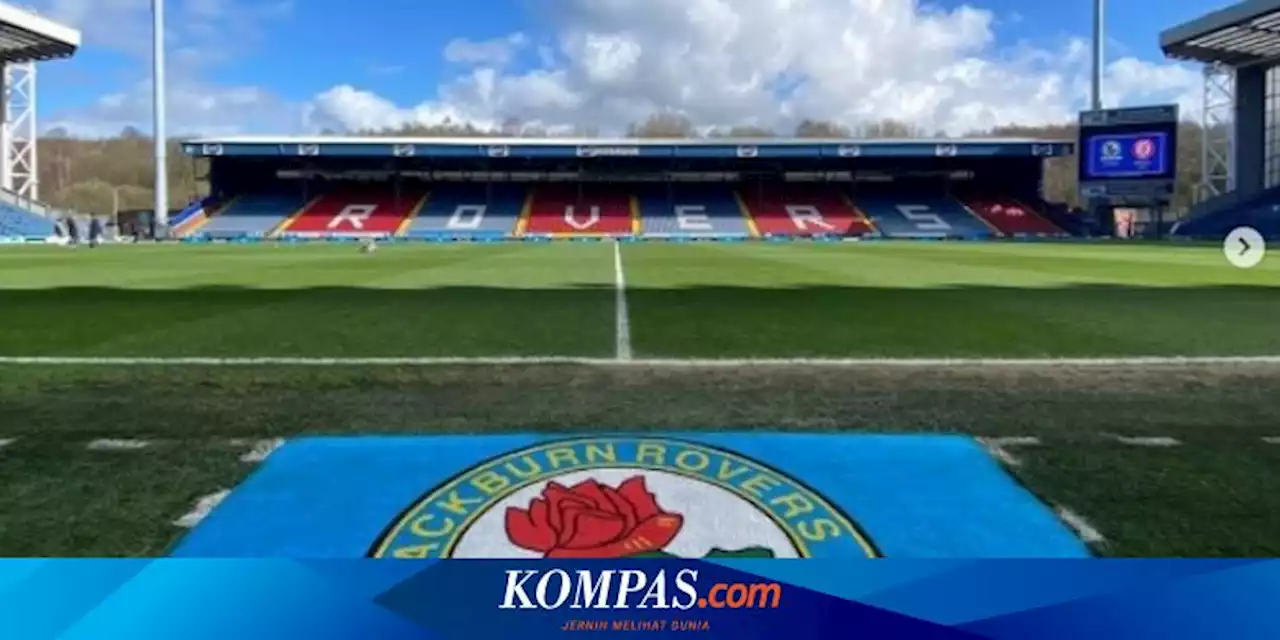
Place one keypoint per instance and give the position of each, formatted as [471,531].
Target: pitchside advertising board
[726,535]
[1128,156]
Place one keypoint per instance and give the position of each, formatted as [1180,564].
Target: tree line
[101,176]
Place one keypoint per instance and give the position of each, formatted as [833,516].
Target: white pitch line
[1272,440]
[261,449]
[204,506]
[4,442]
[1148,441]
[1086,531]
[117,444]
[622,319]
[695,363]
[999,447]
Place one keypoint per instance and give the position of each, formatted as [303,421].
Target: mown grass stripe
[1135,361]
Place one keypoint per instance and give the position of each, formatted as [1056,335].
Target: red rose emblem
[591,520]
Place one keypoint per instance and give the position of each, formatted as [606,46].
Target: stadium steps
[196,216]
[1041,213]
[195,207]
[866,219]
[526,212]
[973,211]
[288,221]
[752,230]
[407,222]
[1060,215]
[995,213]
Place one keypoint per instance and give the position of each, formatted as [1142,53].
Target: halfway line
[622,320]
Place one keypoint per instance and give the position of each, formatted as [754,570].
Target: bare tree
[743,131]
[666,124]
[889,128]
[821,129]
[83,173]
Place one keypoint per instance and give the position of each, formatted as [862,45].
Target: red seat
[1012,218]
[354,214]
[570,211]
[804,211]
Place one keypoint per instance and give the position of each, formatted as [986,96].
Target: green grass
[691,300]
[1216,494]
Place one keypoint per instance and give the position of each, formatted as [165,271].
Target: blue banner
[739,599]
[656,495]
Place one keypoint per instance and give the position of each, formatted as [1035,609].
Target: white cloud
[1137,82]
[197,40]
[346,107]
[725,62]
[193,109]
[497,52]
[608,63]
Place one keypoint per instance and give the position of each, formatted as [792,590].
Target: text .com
[631,589]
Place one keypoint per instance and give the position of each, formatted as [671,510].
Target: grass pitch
[1216,493]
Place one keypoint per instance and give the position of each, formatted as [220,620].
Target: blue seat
[1261,213]
[18,223]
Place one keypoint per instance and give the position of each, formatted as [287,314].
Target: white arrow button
[1244,247]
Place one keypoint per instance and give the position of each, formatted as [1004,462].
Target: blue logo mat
[724,495]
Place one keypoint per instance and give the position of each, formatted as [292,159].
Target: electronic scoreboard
[1128,156]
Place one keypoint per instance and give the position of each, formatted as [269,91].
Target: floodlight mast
[1099,6]
[158,113]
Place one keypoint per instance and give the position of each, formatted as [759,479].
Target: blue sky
[295,65]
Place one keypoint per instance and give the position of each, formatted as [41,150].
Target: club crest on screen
[622,497]
[1144,149]
[1111,150]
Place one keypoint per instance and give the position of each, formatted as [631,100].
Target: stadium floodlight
[158,109]
[1098,35]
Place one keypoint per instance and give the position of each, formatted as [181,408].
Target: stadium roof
[608,142]
[25,36]
[705,148]
[1239,35]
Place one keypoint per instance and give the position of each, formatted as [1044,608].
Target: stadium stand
[803,210]
[686,210]
[253,216]
[898,212]
[192,217]
[469,211]
[355,212]
[1241,176]
[1260,211]
[18,223]
[492,188]
[692,211]
[1011,217]
[1071,222]
[581,209]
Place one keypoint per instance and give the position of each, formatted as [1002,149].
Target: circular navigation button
[1244,247]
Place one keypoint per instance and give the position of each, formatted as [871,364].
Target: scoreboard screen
[1129,155]
[1111,156]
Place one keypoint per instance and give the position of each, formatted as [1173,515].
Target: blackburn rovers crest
[618,498]
[1111,150]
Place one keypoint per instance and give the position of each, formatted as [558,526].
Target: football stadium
[494,346]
